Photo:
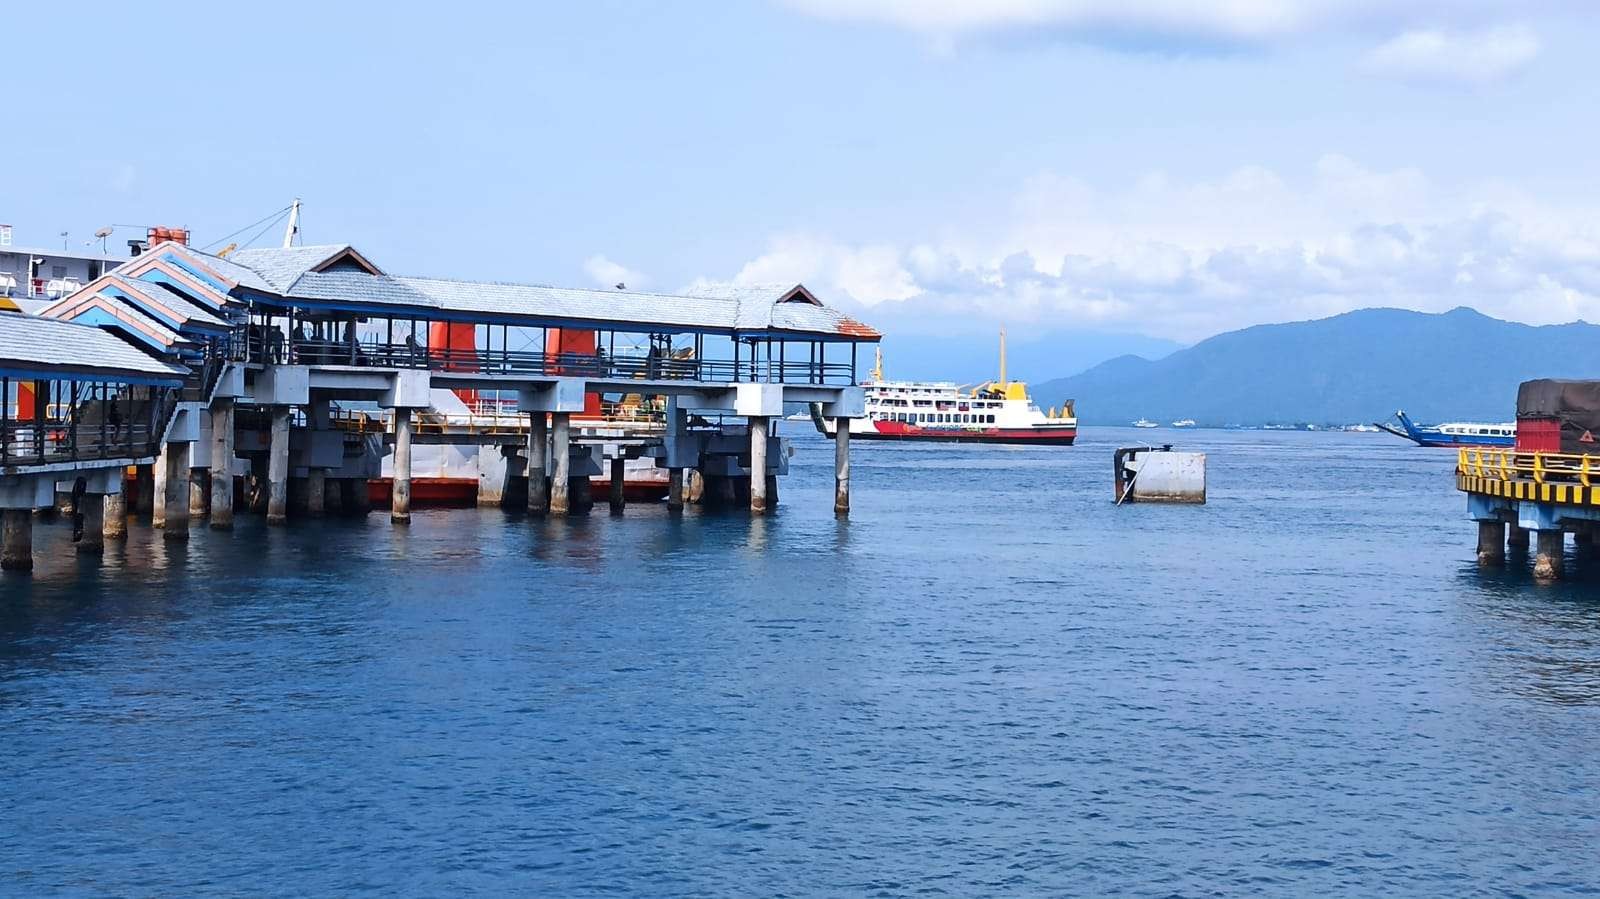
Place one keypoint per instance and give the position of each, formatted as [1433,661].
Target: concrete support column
[675,489]
[400,495]
[359,496]
[16,540]
[115,516]
[278,467]
[333,494]
[144,493]
[199,492]
[694,486]
[1491,542]
[222,465]
[1548,560]
[561,471]
[1517,537]
[841,466]
[92,542]
[1583,543]
[758,464]
[158,487]
[177,494]
[538,480]
[618,500]
[316,492]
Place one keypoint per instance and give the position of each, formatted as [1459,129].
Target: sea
[988,681]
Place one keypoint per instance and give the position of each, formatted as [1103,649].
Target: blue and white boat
[1453,433]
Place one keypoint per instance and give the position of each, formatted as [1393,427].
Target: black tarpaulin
[1576,404]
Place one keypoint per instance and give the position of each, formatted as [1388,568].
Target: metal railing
[1539,468]
[263,347]
[73,433]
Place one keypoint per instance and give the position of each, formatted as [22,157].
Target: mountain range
[1357,367]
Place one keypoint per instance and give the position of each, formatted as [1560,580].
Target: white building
[30,277]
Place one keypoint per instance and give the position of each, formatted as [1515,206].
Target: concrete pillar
[538,480]
[694,487]
[115,515]
[199,492]
[316,492]
[1491,542]
[400,495]
[1583,543]
[561,471]
[158,487]
[758,464]
[1548,560]
[618,500]
[16,540]
[841,466]
[177,495]
[772,491]
[1517,537]
[222,465]
[92,542]
[144,492]
[358,494]
[333,494]
[581,495]
[675,489]
[278,467]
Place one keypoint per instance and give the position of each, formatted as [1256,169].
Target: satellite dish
[103,232]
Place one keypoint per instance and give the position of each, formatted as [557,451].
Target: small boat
[1183,423]
[1453,433]
[1146,423]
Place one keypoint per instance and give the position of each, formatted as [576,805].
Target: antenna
[103,233]
[1003,381]
[293,228]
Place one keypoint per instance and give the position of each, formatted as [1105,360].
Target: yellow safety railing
[1540,468]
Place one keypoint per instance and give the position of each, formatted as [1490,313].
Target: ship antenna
[1003,381]
[877,364]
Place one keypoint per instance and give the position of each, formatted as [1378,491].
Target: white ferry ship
[996,412]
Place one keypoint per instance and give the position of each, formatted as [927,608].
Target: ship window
[988,419]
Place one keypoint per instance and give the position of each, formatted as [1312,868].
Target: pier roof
[49,348]
[281,267]
[777,311]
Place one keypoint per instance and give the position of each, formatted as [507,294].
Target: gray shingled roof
[233,271]
[280,267]
[747,310]
[50,346]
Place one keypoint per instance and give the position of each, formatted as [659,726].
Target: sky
[1152,167]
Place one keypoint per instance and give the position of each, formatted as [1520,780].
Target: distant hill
[1356,367]
[1032,355]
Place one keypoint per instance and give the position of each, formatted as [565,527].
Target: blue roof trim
[177,260]
[100,318]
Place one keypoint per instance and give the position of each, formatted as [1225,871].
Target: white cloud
[606,273]
[1250,21]
[1186,260]
[1471,57]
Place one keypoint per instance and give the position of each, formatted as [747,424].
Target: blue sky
[1171,169]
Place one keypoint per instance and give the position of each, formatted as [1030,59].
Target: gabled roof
[115,313]
[281,267]
[744,311]
[54,348]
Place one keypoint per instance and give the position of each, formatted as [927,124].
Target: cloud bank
[1185,260]
[1477,57]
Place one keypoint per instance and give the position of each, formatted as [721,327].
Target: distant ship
[1453,433]
[999,411]
[1183,423]
[1146,423]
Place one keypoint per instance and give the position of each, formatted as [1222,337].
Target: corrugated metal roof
[31,342]
[280,267]
[173,300]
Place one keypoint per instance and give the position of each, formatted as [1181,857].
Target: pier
[289,378]
[1518,498]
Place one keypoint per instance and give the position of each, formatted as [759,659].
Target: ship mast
[293,228]
[1003,381]
[877,364]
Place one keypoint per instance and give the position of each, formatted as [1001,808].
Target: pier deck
[1511,494]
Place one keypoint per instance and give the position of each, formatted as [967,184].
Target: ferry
[1146,423]
[1184,423]
[998,411]
[1453,433]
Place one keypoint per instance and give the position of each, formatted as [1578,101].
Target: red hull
[462,492]
[895,430]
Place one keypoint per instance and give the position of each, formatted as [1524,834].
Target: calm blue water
[988,681]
